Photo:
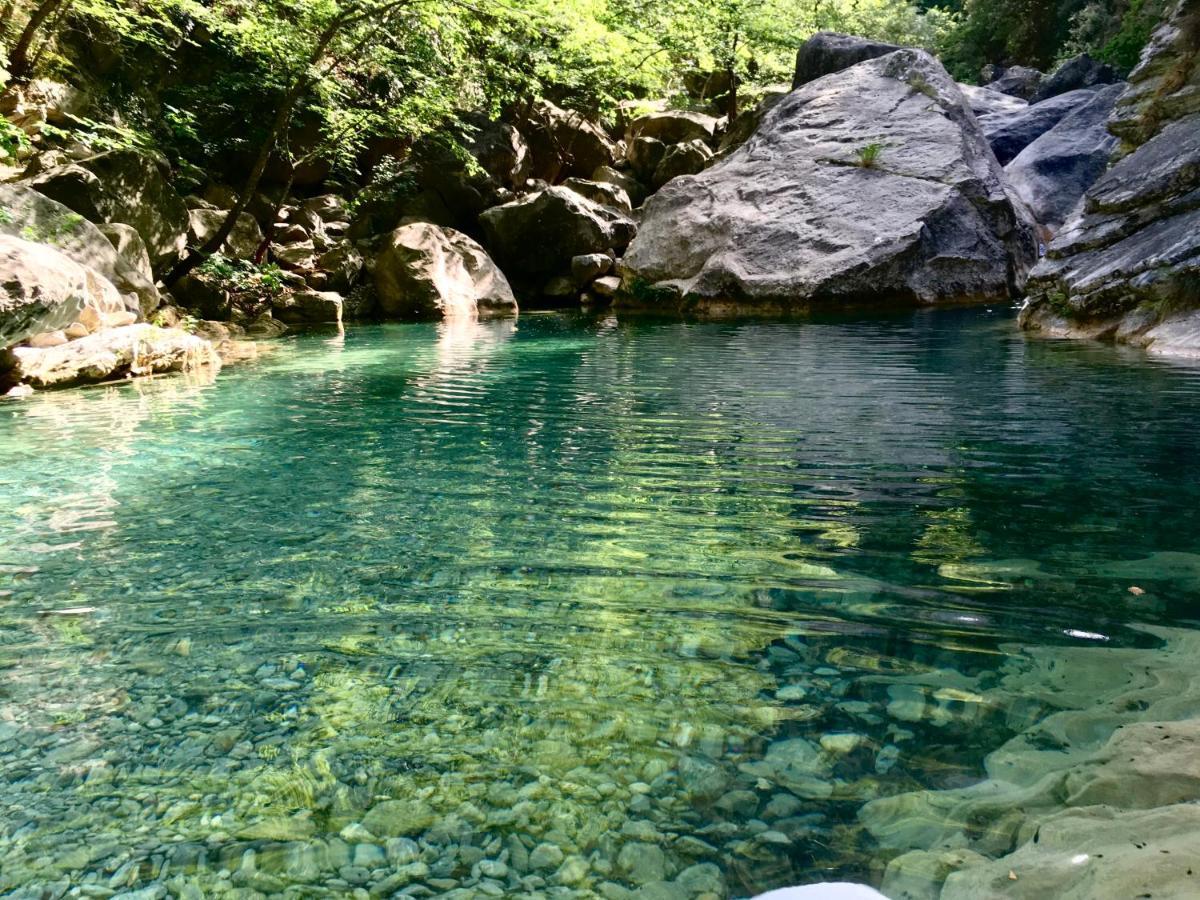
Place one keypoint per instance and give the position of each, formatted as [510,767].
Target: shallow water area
[571,607]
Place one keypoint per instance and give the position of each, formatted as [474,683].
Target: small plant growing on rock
[868,156]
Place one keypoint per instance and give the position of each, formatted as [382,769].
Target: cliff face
[1126,265]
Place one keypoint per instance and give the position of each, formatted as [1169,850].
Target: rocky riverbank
[878,179]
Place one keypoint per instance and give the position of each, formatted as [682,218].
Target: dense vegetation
[192,75]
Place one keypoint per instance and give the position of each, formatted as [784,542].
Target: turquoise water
[561,607]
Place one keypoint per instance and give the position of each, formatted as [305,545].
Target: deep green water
[560,584]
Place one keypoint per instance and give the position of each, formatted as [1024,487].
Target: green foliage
[53,230]
[868,156]
[12,139]
[99,136]
[241,276]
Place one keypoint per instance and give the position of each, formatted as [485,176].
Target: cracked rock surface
[795,218]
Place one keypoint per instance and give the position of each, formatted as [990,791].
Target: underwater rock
[398,818]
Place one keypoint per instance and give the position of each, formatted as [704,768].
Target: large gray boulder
[124,186]
[1079,72]
[36,216]
[1052,173]
[793,218]
[424,271]
[827,52]
[1009,132]
[43,290]
[538,235]
[1127,264]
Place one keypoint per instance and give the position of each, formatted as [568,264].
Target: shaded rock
[424,270]
[75,237]
[604,193]
[564,143]
[343,266]
[326,208]
[115,352]
[502,152]
[42,290]
[242,242]
[688,158]
[124,186]
[589,266]
[541,233]
[644,154]
[1010,132]
[673,127]
[1017,81]
[308,307]
[129,246]
[791,218]
[634,189]
[1079,72]
[1125,265]
[827,52]
[1052,173]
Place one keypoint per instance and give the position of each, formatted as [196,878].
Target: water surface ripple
[565,593]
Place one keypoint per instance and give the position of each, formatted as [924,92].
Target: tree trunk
[269,232]
[20,65]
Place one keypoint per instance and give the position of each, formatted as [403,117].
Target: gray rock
[1079,72]
[398,818]
[1017,81]
[51,222]
[42,290]
[1010,132]
[644,154]
[827,52]
[701,779]
[587,268]
[304,307]
[741,128]
[792,219]
[424,270]
[545,856]
[1124,267]
[564,143]
[634,189]
[604,193]
[242,242]
[673,126]
[1052,173]
[538,235]
[687,158]
[642,863]
[740,804]
[984,101]
[124,186]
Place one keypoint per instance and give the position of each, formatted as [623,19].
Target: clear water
[558,586]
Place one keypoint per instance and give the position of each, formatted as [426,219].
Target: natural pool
[570,607]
